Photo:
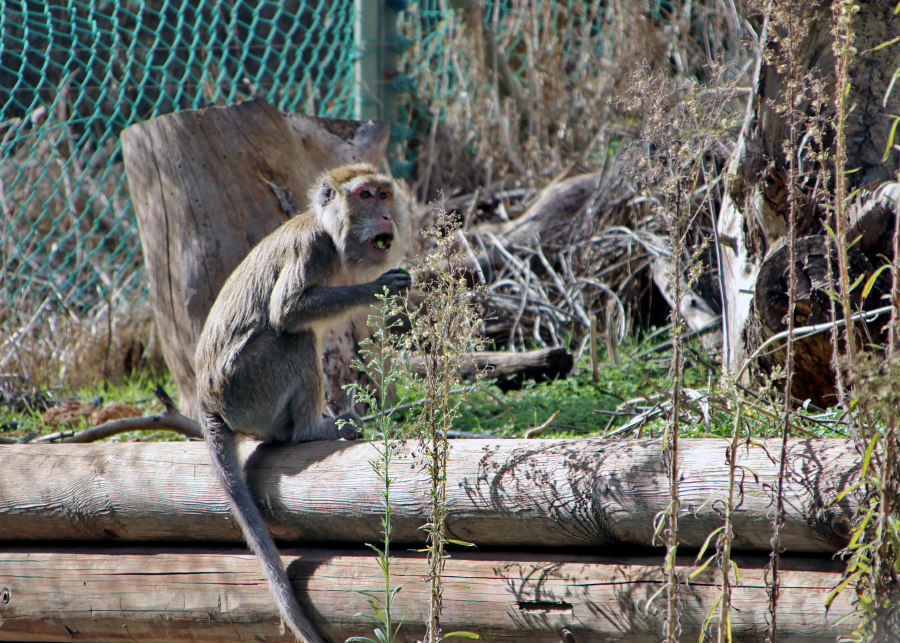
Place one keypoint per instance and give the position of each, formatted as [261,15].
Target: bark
[151,594]
[510,369]
[207,185]
[752,224]
[813,379]
[510,493]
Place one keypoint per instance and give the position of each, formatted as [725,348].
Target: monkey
[259,357]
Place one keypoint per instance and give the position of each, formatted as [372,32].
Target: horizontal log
[500,492]
[173,595]
[510,368]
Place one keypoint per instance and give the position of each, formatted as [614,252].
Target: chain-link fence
[74,73]
[477,90]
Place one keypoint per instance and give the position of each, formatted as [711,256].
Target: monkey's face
[364,213]
[373,201]
[377,223]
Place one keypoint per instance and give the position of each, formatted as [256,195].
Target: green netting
[473,61]
[74,74]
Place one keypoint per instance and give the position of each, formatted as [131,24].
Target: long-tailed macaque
[259,358]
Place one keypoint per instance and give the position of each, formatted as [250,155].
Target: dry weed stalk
[682,129]
[524,90]
[786,19]
[445,328]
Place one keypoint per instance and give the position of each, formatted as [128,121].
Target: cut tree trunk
[207,185]
[512,493]
[154,594]
[814,377]
[510,369]
[753,221]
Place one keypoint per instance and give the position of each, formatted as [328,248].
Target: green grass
[136,390]
[586,406]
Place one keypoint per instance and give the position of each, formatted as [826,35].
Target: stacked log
[105,542]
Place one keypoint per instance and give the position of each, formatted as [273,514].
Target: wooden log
[813,373]
[551,214]
[173,595]
[510,369]
[207,185]
[552,493]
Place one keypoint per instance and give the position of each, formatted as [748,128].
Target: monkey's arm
[294,311]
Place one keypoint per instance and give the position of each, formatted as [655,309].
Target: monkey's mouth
[383,241]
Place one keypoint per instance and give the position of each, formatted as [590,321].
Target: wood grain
[511,493]
[172,595]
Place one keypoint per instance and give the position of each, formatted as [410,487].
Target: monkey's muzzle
[383,241]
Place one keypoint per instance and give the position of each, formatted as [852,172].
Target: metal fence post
[376,63]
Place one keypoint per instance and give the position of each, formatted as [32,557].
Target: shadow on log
[510,493]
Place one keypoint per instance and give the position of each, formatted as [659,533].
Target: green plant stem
[724,630]
[673,616]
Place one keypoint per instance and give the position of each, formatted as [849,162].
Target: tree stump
[753,220]
[207,185]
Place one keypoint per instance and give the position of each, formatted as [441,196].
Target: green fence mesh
[513,84]
[74,73]
[501,87]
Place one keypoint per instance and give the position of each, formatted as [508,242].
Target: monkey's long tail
[223,451]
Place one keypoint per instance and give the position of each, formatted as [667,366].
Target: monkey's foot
[352,427]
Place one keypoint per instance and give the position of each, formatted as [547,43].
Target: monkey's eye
[383,196]
[366,194]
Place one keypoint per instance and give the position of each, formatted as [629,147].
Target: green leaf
[706,543]
[890,143]
[887,43]
[702,567]
[867,457]
[460,542]
[857,282]
[465,635]
[840,588]
[855,485]
[870,282]
[709,615]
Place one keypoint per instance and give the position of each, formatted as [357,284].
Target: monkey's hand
[352,430]
[396,281]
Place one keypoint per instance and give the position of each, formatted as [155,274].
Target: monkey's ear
[325,195]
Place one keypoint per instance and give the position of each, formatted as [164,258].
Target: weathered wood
[551,213]
[753,218]
[551,493]
[814,376]
[510,369]
[207,185]
[696,311]
[173,595]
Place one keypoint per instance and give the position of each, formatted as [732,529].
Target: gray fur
[258,361]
